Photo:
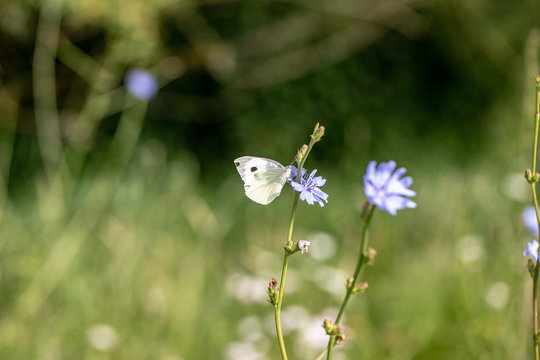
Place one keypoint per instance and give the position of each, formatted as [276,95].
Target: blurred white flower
[313,335]
[250,328]
[294,317]
[324,246]
[515,188]
[497,295]
[470,250]
[102,337]
[303,246]
[330,279]
[243,351]
[246,288]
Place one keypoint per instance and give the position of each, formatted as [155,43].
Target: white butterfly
[263,178]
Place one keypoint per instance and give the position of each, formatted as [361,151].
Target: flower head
[141,83]
[529,220]
[532,249]
[385,188]
[308,187]
[303,246]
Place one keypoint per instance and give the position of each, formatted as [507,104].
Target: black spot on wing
[253,169]
[236,163]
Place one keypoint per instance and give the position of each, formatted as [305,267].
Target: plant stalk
[362,260]
[277,313]
[536,350]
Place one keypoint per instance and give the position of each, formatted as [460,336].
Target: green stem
[536,350]
[357,272]
[277,314]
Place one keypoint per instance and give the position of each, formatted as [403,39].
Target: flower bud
[301,153]
[272,292]
[349,282]
[370,256]
[340,338]
[361,286]
[327,326]
[531,178]
[289,245]
[528,175]
[318,132]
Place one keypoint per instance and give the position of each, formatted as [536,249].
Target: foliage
[130,214]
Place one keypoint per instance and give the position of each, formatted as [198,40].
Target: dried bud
[272,292]
[340,338]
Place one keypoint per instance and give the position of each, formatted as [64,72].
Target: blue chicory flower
[308,187]
[385,188]
[141,83]
[528,216]
[532,249]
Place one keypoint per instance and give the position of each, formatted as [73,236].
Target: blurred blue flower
[385,188]
[528,216]
[308,187]
[532,249]
[141,83]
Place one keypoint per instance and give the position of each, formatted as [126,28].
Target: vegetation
[125,232]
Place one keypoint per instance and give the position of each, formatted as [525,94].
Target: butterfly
[263,178]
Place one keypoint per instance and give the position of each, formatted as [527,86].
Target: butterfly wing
[263,178]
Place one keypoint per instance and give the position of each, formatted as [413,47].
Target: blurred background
[125,232]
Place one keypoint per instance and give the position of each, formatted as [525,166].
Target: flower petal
[385,187]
